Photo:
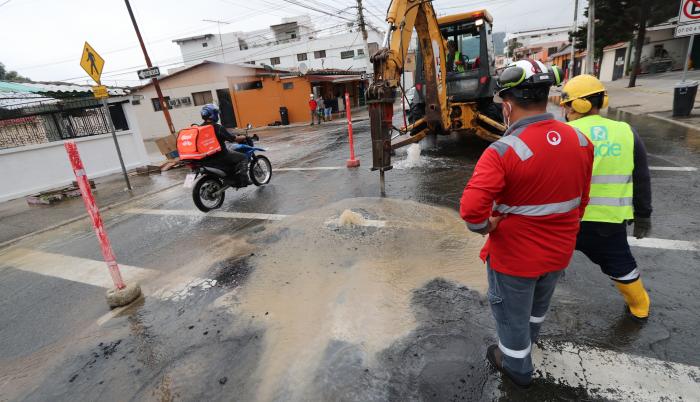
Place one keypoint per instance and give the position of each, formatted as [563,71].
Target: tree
[649,12]
[617,21]
[11,75]
[514,44]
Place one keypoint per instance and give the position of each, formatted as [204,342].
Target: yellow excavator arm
[470,102]
[403,16]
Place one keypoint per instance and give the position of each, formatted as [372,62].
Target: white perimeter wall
[34,168]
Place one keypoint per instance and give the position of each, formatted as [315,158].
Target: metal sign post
[116,143]
[688,25]
[93,65]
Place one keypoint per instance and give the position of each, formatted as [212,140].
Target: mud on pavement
[389,306]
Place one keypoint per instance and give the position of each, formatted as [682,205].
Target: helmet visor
[511,77]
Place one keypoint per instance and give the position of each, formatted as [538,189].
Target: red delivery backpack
[197,142]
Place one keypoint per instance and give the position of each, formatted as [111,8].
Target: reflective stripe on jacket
[538,175]
[612,187]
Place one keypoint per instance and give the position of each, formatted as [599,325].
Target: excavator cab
[470,55]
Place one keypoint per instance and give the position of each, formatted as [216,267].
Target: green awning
[6,86]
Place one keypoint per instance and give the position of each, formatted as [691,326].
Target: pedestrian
[328,109]
[620,190]
[528,192]
[312,106]
[320,108]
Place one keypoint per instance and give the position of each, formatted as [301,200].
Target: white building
[538,43]
[293,45]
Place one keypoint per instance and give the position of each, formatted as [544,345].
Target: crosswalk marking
[301,169]
[674,168]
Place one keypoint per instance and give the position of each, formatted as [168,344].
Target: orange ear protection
[583,105]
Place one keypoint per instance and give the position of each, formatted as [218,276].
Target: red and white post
[122,294]
[352,162]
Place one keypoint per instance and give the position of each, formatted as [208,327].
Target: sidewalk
[17,218]
[652,96]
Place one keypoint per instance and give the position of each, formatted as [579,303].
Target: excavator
[455,99]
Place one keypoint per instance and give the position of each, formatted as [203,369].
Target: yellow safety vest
[459,68]
[613,163]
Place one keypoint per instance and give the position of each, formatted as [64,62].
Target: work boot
[636,298]
[495,357]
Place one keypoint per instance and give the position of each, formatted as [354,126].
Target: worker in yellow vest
[620,190]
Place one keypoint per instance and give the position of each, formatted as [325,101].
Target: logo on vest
[599,133]
[554,138]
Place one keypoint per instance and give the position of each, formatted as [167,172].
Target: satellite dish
[303,68]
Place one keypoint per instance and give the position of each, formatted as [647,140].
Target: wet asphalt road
[278,322]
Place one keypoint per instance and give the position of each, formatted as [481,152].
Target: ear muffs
[582,105]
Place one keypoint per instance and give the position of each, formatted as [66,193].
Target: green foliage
[11,75]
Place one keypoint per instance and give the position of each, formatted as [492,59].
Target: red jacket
[312,105]
[538,175]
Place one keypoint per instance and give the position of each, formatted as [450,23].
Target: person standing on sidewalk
[312,106]
[320,108]
[620,190]
[529,191]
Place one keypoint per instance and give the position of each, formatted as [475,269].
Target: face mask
[506,118]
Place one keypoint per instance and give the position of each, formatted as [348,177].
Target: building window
[156,103]
[319,54]
[288,85]
[347,54]
[301,57]
[551,50]
[250,62]
[274,61]
[202,98]
[360,52]
[205,44]
[244,86]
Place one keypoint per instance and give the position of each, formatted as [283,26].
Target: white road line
[616,376]
[215,214]
[674,168]
[301,169]
[650,242]
[74,269]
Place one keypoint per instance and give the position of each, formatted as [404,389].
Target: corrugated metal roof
[16,100]
[40,87]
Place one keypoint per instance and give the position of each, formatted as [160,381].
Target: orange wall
[260,107]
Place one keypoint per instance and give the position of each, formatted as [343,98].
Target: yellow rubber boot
[636,297]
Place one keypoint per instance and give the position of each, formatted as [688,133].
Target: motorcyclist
[232,162]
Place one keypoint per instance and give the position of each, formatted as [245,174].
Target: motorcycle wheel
[260,170]
[203,194]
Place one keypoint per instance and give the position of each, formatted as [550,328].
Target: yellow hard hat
[579,88]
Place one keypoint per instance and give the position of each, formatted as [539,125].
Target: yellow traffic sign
[100,92]
[92,63]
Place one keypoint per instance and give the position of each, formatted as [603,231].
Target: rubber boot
[636,297]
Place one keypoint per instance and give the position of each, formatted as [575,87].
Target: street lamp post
[221,41]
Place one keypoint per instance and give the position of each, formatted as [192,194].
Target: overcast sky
[43,39]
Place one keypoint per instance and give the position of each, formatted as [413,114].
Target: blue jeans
[519,306]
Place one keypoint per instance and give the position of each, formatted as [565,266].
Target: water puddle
[320,284]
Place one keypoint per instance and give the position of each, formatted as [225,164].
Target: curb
[77,218]
[653,115]
[673,121]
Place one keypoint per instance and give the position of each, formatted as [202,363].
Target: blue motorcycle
[209,184]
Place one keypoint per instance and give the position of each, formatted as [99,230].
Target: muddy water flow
[317,283]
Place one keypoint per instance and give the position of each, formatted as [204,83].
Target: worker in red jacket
[312,106]
[529,191]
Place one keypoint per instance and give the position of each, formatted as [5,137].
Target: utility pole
[590,40]
[361,19]
[163,104]
[572,61]
[221,41]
